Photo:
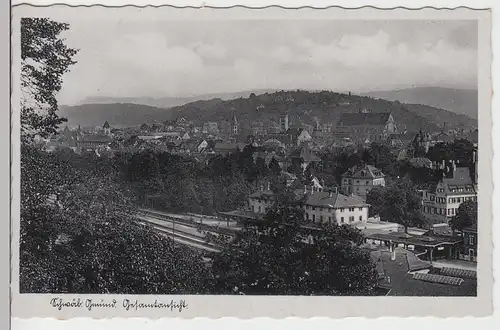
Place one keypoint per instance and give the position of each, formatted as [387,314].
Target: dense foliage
[86,241]
[45,58]
[399,203]
[466,215]
[279,257]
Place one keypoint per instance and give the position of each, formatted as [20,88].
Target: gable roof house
[359,180]
[441,202]
[303,156]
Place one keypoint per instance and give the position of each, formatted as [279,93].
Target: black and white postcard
[204,162]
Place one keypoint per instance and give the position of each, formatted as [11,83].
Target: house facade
[441,203]
[331,207]
[469,248]
[319,206]
[359,180]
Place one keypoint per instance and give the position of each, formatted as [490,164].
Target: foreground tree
[45,58]
[278,257]
[88,241]
[399,203]
[466,215]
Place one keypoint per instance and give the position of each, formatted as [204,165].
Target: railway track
[187,221]
[182,237]
[183,231]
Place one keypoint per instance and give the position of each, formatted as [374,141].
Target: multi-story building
[261,201]
[359,180]
[320,206]
[330,206]
[441,203]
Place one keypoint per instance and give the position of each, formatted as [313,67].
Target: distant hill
[303,108]
[168,102]
[326,107]
[117,114]
[459,101]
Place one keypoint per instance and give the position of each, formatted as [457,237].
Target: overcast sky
[161,59]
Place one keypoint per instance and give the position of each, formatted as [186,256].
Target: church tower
[284,123]
[107,128]
[235,125]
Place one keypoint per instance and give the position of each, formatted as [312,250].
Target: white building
[330,206]
[359,180]
[441,203]
[261,201]
[319,206]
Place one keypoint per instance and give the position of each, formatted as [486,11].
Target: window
[321,218]
[357,181]
[342,219]
[313,208]
[307,216]
[314,217]
[351,219]
[449,211]
[471,239]
[361,209]
[360,218]
[259,209]
[330,220]
[351,209]
[357,189]
[367,183]
[341,210]
[253,208]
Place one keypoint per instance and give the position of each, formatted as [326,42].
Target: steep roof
[305,153]
[421,162]
[264,194]
[459,183]
[332,200]
[364,172]
[106,124]
[358,119]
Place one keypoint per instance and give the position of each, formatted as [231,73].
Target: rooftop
[329,199]
[402,282]
[305,153]
[418,240]
[364,172]
[459,183]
